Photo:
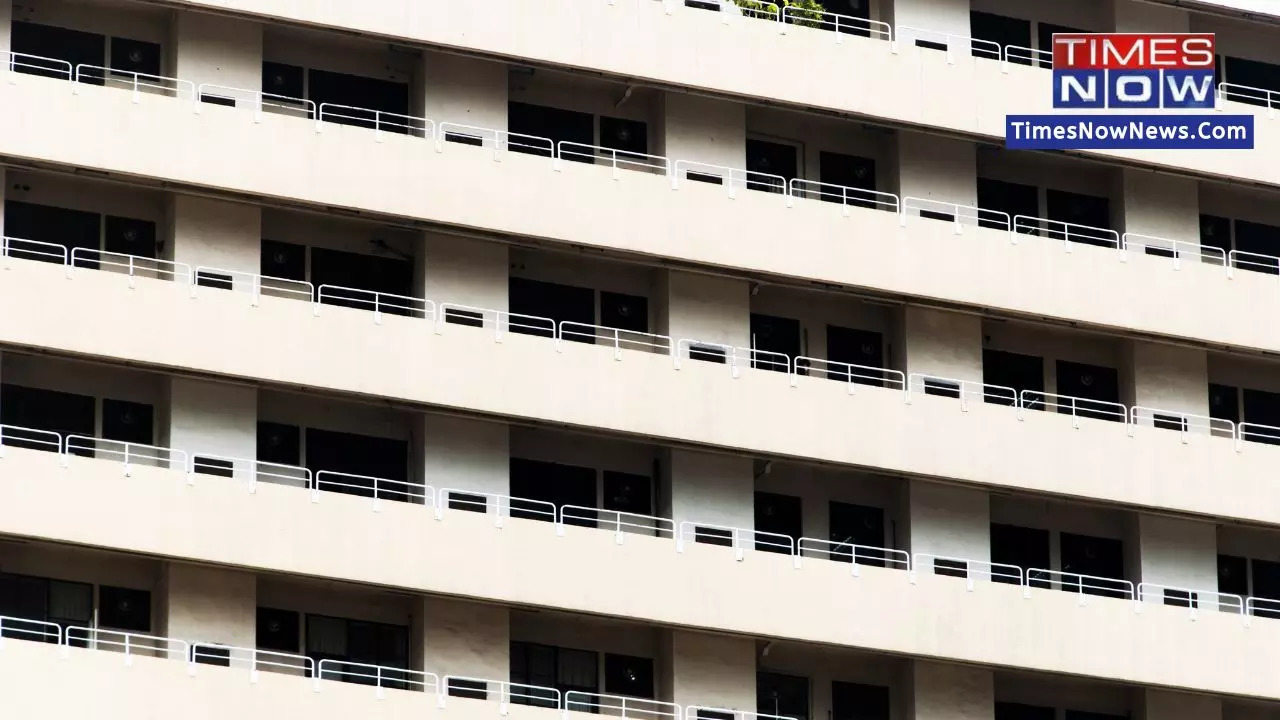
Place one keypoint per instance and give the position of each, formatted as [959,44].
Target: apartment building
[658,359]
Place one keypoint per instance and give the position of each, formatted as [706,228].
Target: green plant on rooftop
[804,12]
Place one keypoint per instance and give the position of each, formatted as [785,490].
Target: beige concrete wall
[208,604]
[706,308]
[458,452]
[689,225]
[1169,705]
[710,488]
[1133,16]
[947,520]
[946,16]
[1163,206]
[463,271]
[216,234]
[939,691]
[704,130]
[939,343]
[989,625]
[583,387]
[217,50]
[212,418]
[456,637]
[711,670]
[937,168]
[1167,377]
[462,90]
[1176,552]
[917,87]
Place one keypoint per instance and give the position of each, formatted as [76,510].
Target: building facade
[659,359]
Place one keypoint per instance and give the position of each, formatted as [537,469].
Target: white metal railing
[375,487]
[25,249]
[379,676]
[377,120]
[1076,407]
[1257,432]
[1250,95]
[30,438]
[24,629]
[448,132]
[258,100]
[617,520]
[126,642]
[1262,607]
[1255,262]
[499,320]
[698,712]
[1080,584]
[252,658]
[619,339]
[378,302]
[507,693]
[137,82]
[500,506]
[734,357]
[730,177]
[24,62]
[611,157]
[1180,421]
[835,22]
[126,452]
[1176,249]
[628,708]
[1067,232]
[250,470]
[963,390]
[955,213]
[740,539]
[1031,56]
[258,285]
[845,551]
[1190,597]
[845,195]
[851,374]
[967,45]
[133,265]
[966,567]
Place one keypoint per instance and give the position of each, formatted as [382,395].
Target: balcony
[652,579]
[494,190]
[667,44]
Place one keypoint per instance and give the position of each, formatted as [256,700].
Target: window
[361,272]
[941,388]
[782,695]
[847,171]
[360,642]
[770,165]
[624,312]
[628,675]
[1012,370]
[44,600]
[361,455]
[124,609]
[278,443]
[1090,391]
[848,346]
[1101,559]
[542,123]
[1003,31]
[1262,242]
[1233,575]
[1224,402]
[278,630]
[369,95]
[777,518]
[548,301]
[217,655]
[1252,74]
[287,261]
[49,410]
[1022,547]
[997,198]
[553,483]
[134,56]
[465,318]
[1044,38]
[856,525]
[774,341]
[130,237]
[47,41]
[1019,711]
[128,422]
[628,492]
[1262,408]
[1079,218]
[855,701]
[46,223]
[283,81]
[627,136]
[545,666]
[709,353]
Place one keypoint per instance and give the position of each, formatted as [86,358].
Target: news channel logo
[1169,76]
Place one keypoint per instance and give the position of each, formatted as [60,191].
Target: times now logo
[1130,71]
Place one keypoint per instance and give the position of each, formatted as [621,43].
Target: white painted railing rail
[126,642]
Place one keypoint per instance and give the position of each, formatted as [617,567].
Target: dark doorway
[1233,575]
[765,159]
[629,137]
[554,124]
[551,483]
[46,223]
[1266,584]
[628,492]
[1253,74]
[365,455]
[779,515]
[362,96]
[624,312]
[1262,408]
[49,410]
[361,642]
[128,422]
[1095,556]
[370,273]
[1261,240]
[855,701]
[1224,402]
[1023,547]
[1003,31]
[1216,232]
[855,347]
[770,335]
[1089,211]
[851,525]
[1019,711]
[129,236]
[1090,383]
[552,301]
[849,171]
[1012,370]
[47,41]
[782,695]
[1012,199]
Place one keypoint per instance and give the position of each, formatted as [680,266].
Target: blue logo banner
[1129,132]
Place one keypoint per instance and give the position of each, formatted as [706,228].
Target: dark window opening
[859,9]
[624,312]
[629,137]
[1012,370]
[627,492]
[353,278]
[709,353]
[855,701]
[364,99]
[474,141]
[280,444]
[1012,199]
[549,302]
[43,600]
[218,281]
[950,568]
[713,536]
[1091,213]
[73,229]
[542,124]
[931,45]
[941,388]
[770,165]
[628,676]
[128,422]
[937,215]
[135,56]
[1233,575]
[1266,584]
[856,525]
[1263,242]
[847,171]
[278,630]
[1252,74]
[777,514]
[130,237]
[704,177]
[1181,598]
[287,261]
[1044,37]
[46,41]
[1262,408]
[1215,232]
[546,666]
[465,318]
[772,337]
[212,466]
[365,456]
[217,100]
[1003,31]
[1098,390]
[284,82]
[552,483]
[855,347]
[1019,711]
[1096,557]
[1224,402]
[782,695]
[48,410]
[1022,547]
[124,609]
[359,642]
[216,655]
